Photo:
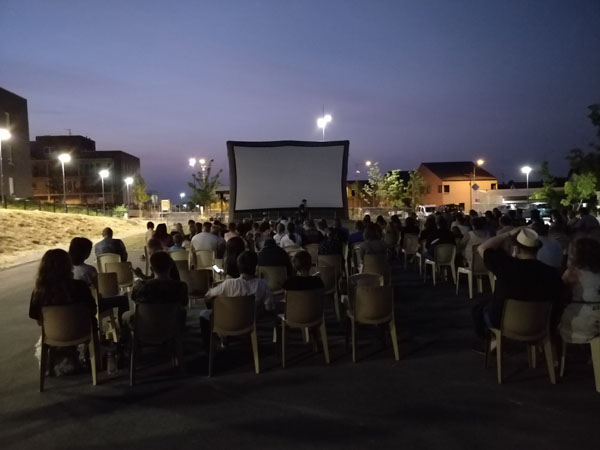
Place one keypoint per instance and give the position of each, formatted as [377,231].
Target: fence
[59,207]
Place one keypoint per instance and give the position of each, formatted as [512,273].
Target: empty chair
[373,305]
[105,258]
[123,271]
[233,316]
[329,276]
[420,255]
[410,247]
[156,324]
[443,256]
[108,286]
[304,310]
[527,322]
[198,282]
[595,348]
[66,326]
[275,276]
[362,279]
[477,270]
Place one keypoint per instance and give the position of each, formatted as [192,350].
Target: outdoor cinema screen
[270,175]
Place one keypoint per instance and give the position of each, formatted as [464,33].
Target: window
[446,189]
[439,188]
[494,186]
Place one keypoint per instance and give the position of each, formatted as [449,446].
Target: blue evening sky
[405,81]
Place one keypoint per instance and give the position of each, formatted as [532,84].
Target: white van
[425,210]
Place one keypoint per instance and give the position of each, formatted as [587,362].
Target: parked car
[425,210]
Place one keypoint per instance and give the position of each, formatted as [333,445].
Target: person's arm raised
[496,241]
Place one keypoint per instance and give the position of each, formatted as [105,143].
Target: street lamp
[64,158]
[479,163]
[128,182]
[368,163]
[104,173]
[192,162]
[323,121]
[526,170]
[4,135]
[181,195]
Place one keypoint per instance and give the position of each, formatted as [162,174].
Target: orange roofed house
[452,183]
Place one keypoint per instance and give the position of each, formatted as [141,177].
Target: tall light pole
[104,173]
[181,195]
[128,182]
[323,121]
[526,170]
[4,135]
[64,158]
[479,163]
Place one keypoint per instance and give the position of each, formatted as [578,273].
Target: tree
[582,161]
[415,189]
[138,190]
[548,193]
[393,188]
[375,187]
[580,188]
[204,186]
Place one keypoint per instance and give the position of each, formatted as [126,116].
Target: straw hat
[529,238]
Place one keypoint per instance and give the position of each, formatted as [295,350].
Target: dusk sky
[405,82]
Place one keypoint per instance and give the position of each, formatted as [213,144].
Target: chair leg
[93,346]
[353,325]
[275,334]
[405,259]
[336,305]
[549,360]
[479,285]
[43,365]
[457,282]
[470,281]
[283,344]
[563,358]
[323,331]
[595,346]
[453,271]
[499,357]
[211,353]
[254,340]
[433,270]
[132,361]
[394,338]
[492,282]
[306,335]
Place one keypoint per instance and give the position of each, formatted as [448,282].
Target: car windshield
[429,208]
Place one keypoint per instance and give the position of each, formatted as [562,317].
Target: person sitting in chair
[110,245]
[303,281]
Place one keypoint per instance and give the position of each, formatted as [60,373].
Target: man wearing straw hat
[519,276]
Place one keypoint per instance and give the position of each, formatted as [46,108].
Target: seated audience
[303,280]
[332,243]
[233,248]
[191,229]
[246,284]
[551,252]
[506,225]
[519,277]
[280,233]
[80,250]
[313,236]
[343,232]
[372,244]
[232,231]
[473,237]
[580,321]
[162,236]
[357,236]
[177,242]
[322,226]
[160,289]
[149,230]
[153,246]
[273,255]
[110,245]
[586,221]
[204,239]
[264,233]
[291,238]
[441,235]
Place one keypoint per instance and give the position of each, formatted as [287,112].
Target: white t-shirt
[205,241]
[286,241]
[239,287]
[85,272]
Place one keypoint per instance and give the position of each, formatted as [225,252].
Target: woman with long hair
[233,248]
[161,235]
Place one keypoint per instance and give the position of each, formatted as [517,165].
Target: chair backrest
[123,271]
[331,260]
[182,265]
[313,249]
[198,281]
[108,284]
[275,276]
[179,255]
[328,276]
[233,315]
[156,323]
[373,304]
[379,268]
[477,264]
[525,321]
[205,258]
[374,259]
[105,258]
[304,308]
[411,243]
[362,279]
[444,253]
[66,325]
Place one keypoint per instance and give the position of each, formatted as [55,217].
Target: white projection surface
[280,177]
